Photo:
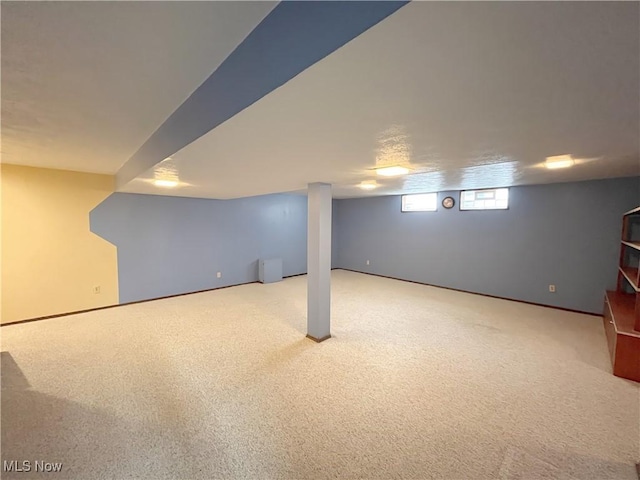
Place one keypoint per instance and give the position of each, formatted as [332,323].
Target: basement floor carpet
[417,382]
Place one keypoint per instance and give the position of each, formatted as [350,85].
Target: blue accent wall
[294,36]
[173,245]
[562,234]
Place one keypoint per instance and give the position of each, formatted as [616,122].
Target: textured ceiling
[292,37]
[466,95]
[84,84]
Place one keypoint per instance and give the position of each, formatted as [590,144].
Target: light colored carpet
[417,382]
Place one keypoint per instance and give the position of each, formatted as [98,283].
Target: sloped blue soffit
[294,36]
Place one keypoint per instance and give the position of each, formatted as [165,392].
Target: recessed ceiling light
[559,161]
[392,171]
[165,183]
[368,185]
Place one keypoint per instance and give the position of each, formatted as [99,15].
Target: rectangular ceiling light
[368,185]
[165,183]
[559,161]
[392,171]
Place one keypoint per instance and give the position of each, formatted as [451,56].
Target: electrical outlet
[96,289]
[219,275]
[368,262]
[552,288]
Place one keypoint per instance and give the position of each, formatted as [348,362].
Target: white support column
[319,262]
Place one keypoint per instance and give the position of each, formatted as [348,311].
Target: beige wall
[51,261]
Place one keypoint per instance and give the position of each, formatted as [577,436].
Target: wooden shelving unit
[622,306]
[631,275]
[635,245]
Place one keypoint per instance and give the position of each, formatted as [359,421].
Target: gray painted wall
[172,245]
[563,234]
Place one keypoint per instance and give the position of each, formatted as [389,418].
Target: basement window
[423,202]
[487,199]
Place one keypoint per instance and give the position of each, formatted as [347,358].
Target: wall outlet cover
[219,275]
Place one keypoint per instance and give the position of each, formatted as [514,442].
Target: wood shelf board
[631,212]
[635,245]
[631,274]
[622,306]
